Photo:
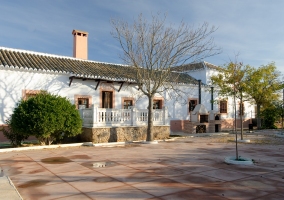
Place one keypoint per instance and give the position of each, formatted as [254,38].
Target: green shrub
[15,137]
[47,117]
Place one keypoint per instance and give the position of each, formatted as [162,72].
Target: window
[241,109]
[83,101]
[127,104]
[191,104]
[203,118]
[223,106]
[26,94]
[157,104]
[107,99]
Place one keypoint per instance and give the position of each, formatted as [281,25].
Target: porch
[104,117]
[119,125]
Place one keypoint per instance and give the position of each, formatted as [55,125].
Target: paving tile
[63,167]
[123,192]
[78,175]
[277,176]
[96,184]
[231,190]
[225,175]
[135,178]
[115,169]
[75,197]
[196,180]
[261,183]
[48,191]
[252,170]
[24,180]
[191,194]
[274,196]
[161,187]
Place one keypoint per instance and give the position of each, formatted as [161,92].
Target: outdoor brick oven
[202,121]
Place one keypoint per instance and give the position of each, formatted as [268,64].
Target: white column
[95,115]
[165,115]
[133,116]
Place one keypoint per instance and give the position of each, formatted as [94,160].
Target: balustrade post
[133,116]
[95,115]
[165,115]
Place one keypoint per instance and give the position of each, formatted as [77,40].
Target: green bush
[15,138]
[47,117]
[269,116]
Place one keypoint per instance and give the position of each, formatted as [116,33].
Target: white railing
[98,117]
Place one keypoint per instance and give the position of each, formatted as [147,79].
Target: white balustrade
[99,117]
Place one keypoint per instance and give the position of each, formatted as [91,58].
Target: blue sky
[252,29]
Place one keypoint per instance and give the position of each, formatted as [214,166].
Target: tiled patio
[189,168]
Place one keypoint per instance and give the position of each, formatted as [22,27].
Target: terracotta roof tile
[78,67]
[194,66]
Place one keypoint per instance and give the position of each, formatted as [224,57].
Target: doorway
[107,99]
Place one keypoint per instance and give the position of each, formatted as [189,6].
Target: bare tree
[152,48]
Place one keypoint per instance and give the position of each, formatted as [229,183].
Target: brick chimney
[80,44]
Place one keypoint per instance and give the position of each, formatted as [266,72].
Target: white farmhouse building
[104,94]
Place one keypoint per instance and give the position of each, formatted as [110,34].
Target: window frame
[189,101]
[160,104]
[26,93]
[221,106]
[77,97]
[123,99]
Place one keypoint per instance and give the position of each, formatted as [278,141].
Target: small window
[223,106]
[157,104]
[30,93]
[83,103]
[241,109]
[191,105]
[203,118]
[127,104]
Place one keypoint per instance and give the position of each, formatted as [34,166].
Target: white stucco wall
[13,82]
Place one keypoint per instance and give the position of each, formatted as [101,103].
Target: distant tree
[152,48]
[262,86]
[47,117]
[270,114]
[231,81]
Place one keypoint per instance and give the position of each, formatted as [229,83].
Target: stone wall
[122,134]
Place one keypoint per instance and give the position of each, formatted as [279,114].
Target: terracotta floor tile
[123,192]
[47,191]
[261,183]
[64,167]
[278,176]
[233,191]
[96,184]
[272,197]
[191,194]
[196,180]
[135,178]
[75,197]
[24,179]
[225,175]
[247,169]
[115,169]
[79,175]
[161,187]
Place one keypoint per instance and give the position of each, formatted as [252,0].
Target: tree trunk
[258,116]
[241,117]
[150,120]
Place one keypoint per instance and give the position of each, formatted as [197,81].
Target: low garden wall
[122,134]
